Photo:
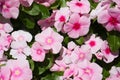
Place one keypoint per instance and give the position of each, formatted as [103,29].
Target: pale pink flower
[26,3]
[108,56]
[59,66]
[61,17]
[9,8]
[20,69]
[95,43]
[81,53]
[67,52]
[100,7]
[71,71]
[77,26]
[21,35]
[50,40]
[48,22]
[111,21]
[114,73]
[117,2]
[6,27]
[20,49]
[4,73]
[46,3]
[82,6]
[38,53]
[89,71]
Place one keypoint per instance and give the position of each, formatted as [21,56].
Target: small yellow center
[17,72]
[49,40]
[62,69]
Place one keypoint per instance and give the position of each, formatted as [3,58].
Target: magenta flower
[38,53]
[77,26]
[20,69]
[50,40]
[82,6]
[48,22]
[61,17]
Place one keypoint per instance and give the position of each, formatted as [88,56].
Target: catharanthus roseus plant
[59,39]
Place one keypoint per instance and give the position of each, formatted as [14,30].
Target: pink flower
[77,26]
[61,17]
[20,69]
[9,8]
[3,71]
[80,54]
[26,3]
[38,53]
[89,71]
[114,73]
[82,6]
[48,22]
[108,56]
[95,43]
[117,2]
[111,21]
[21,35]
[20,49]
[50,40]
[46,3]
[6,27]
[59,66]
[100,7]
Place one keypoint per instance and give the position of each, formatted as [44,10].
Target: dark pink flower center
[92,43]
[78,4]
[107,50]
[113,20]
[39,51]
[62,19]
[76,26]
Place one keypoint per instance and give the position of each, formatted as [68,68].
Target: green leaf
[63,3]
[31,64]
[114,42]
[37,9]
[55,5]
[29,23]
[33,10]
[80,40]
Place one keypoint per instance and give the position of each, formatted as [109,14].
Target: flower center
[62,19]
[88,71]
[81,56]
[39,51]
[113,20]
[21,38]
[92,43]
[107,50]
[49,40]
[17,72]
[76,26]
[78,4]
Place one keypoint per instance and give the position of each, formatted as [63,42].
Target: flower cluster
[59,39]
